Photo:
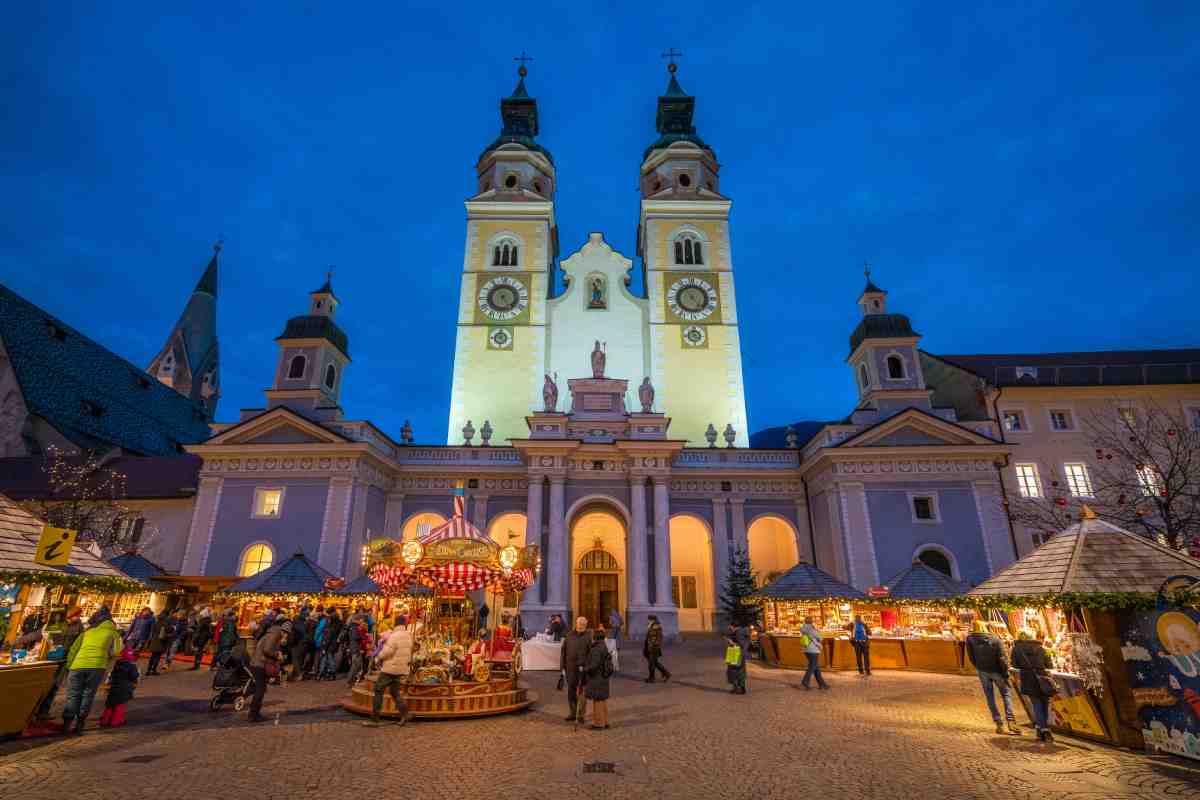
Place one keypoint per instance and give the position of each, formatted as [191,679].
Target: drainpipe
[812,537]
[1012,533]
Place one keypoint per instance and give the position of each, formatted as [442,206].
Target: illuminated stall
[803,591]
[288,586]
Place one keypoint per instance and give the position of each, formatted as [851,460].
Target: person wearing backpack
[810,637]
[598,668]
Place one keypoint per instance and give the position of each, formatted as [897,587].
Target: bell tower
[683,239]
[511,244]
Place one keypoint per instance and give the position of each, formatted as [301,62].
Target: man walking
[575,647]
[986,653]
[264,663]
[393,661]
[202,636]
[860,640]
[810,637]
[652,648]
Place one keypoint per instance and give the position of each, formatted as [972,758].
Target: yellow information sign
[54,548]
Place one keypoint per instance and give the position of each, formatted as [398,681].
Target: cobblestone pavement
[896,736]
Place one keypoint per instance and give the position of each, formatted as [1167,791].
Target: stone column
[557,559]
[721,547]
[335,522]
[532,614]
[803,532]
[740,542]
[204,520]
[637,577]
[393,515]
[479,518]
[662,544]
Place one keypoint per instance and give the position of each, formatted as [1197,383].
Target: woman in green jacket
[91,656]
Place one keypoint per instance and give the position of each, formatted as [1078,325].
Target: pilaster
[333,525]
[204,520]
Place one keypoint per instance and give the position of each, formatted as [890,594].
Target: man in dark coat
[986,653]
[652,648]
[204,632]
[575,647]
[597,671]
[160,636]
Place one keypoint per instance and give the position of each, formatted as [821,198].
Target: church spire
[675,112]
[519,115]
[188,360]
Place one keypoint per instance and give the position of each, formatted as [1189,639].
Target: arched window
[936,559]
[688,250]
[864,379]
[296,368]
[330,376]
[255,559]
[504,254]
[895,367]
[598,561]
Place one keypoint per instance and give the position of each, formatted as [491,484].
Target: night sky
[1022,180]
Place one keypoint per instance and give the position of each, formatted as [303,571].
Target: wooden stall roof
[297,575]
[805,582]
[364,585]
[922,582]
[1092,556]
[19,535]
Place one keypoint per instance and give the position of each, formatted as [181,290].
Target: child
[735,659]
[120,689]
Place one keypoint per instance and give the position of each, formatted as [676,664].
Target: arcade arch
[506,529]
[693,587]
[420,524]
[599,568]
[772,543]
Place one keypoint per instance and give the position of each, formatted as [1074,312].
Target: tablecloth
[537,654]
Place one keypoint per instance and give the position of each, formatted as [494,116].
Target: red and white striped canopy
[466,577]
[455,528]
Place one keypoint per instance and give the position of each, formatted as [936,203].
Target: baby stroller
[232,681]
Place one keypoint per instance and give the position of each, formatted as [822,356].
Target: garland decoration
[104,584]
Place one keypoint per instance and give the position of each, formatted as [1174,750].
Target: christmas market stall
[1122,630]
[155,594]
[34,599]
[456,670]
[411,602]
[803,591]
[288,585]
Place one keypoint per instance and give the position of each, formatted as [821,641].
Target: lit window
[268,502]
[1014,421]
[683,591]
[1061,420]
[924,508]
[1078,480]
[895,368]
[256,558]
[1149,480]
[1027,480]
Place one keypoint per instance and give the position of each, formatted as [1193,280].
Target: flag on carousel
[459,499]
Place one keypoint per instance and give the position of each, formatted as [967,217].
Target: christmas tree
[739,586]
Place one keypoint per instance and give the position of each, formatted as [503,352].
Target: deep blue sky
[1022,179]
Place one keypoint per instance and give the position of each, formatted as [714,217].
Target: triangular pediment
[278,426]
[916,428]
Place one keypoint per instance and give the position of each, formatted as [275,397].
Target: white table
[537,654]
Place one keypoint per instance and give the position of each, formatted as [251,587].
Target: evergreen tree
[739,585]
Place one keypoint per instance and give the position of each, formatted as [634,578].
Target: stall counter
[23,686]
[929,655]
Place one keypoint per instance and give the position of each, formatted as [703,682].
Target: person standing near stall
[597,670]
[573,660]
[985,651]
[160,636]
[264,663]
[739,637]
[94,651]
[1031,659]
[860,640]
[204,633]
[226,636]
[810,637]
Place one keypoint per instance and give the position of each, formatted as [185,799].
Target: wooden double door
[597,596]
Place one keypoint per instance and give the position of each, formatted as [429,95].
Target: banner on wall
[1161,649]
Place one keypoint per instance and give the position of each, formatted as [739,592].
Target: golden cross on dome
[671,54]
[867,269]
[522,59]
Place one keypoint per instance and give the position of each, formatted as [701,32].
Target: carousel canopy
[923,582]
[364,585]
[806,582]
[1092,556]
[455,528]
[297,575]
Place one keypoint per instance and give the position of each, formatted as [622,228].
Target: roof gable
[296,575]
[806,582]
[280,425]
[915,427]
[87,392]
[923,582]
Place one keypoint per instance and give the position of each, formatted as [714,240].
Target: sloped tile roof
[19,535]
[923,582]
[1091,556]
[295,575]
[89,393]
[364,585]
[1103,368]
[806,582]
[142,568]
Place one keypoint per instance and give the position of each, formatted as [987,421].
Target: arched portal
[505,529]
[693,588]
[772,542]
[598,564]
[420,524]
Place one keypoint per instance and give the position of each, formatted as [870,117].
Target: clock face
[503,298]
[692,299]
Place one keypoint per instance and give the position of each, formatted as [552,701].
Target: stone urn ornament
[550,394]
[485,432]
[468,432]
[711,435]
[406,436]
[730,434]
[646,396]
[598,360]
[791,437]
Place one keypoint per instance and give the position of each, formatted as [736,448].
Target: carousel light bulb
[508,557]
[412,552]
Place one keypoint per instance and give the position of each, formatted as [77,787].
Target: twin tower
[679,328]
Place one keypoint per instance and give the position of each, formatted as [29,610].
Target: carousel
[456,669]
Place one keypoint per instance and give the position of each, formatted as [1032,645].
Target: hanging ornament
[1060,501]
[1085,658]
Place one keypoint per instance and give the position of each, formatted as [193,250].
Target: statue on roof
[550,394]
[646,396]
[598,361]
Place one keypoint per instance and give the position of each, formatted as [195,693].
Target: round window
[511,181]
[685,180]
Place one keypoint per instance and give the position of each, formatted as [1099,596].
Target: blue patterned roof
[141,568]
[923,582]
[806,582]
[296,575]
[88,393]
[364,585]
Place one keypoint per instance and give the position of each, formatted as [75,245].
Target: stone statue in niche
[597,296]
[550,393]
[646,396]
[598,360]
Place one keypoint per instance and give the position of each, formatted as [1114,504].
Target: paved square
[899,736]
